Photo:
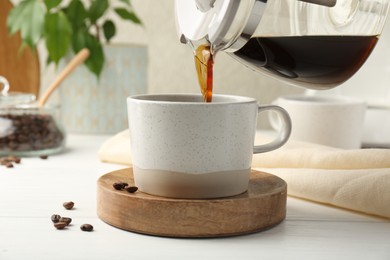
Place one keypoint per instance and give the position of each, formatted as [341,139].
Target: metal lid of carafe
[224,24]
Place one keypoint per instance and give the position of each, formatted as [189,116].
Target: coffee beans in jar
[28,132]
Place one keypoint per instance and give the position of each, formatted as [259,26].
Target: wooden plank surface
[20,68]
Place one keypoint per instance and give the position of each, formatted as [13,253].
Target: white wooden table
[34,190]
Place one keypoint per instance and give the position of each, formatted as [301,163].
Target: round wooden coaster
[261,207]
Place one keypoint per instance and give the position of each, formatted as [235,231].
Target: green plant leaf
[15,18]
[128,15]
[97,9]
[57,34]
[52,3]
[109,30]
[48,60]
[83,39]
[96,59]
[79,39]
[28,18]
[126,2]
[76,13]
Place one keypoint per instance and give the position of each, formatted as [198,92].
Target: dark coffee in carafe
[309,61]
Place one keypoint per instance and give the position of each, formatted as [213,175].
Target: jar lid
[11,99]
[222,23]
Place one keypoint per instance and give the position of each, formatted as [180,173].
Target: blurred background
[168,67]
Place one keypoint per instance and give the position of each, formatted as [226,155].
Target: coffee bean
[119,185]
[65,220]
[68,205]
[55,218]
[9,165]
[131,189]
[14,159]
[4,161]
[86,227]
[60,225]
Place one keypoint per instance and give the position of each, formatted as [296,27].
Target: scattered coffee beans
[131,189]
[86,227]
[30,132]
[55,218]
[9,161]
[124,186]
[60,225]
[60,222]
[68,204]
[120,185]
[65,220]
[16,159]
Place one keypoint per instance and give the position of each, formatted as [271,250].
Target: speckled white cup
[183,147]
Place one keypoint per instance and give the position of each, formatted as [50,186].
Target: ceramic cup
[335,121]
[183,147]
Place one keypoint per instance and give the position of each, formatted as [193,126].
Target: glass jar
[25,128]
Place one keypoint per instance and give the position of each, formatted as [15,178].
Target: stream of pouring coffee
[204,61]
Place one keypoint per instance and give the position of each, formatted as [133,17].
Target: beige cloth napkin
[116,149]
[358,180]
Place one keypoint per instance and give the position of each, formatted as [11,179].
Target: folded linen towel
[297,154]
[363,190]
[353,179]
[116,149]
[358,180]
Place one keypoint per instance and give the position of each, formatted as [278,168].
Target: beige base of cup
[191,186]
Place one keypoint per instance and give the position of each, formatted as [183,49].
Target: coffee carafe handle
[328,3]
[284,131]
[206,5]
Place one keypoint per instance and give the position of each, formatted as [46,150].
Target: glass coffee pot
[316,44]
